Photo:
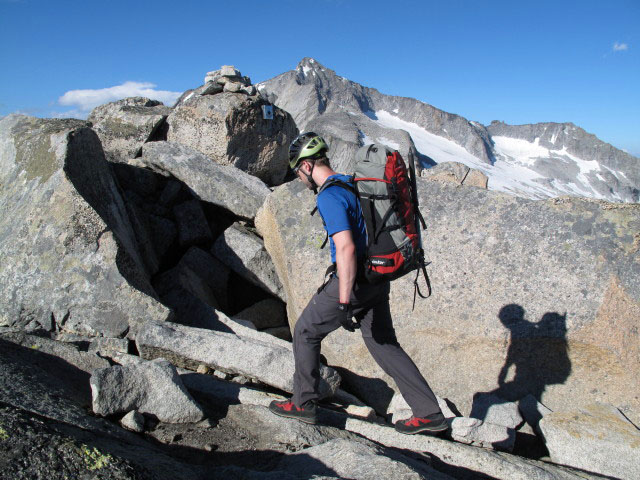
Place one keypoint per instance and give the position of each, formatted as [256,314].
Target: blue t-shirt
[340,210]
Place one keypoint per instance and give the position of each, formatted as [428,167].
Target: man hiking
[346,296]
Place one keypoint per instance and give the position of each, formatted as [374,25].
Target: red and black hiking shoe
[432,425]
[306,413]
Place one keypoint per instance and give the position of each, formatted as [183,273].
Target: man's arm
[345,263]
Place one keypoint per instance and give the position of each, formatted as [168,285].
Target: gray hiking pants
[371,307]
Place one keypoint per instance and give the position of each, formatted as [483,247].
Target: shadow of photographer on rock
[537,354]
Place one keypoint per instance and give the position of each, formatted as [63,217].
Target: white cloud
[86,100]
[620,47]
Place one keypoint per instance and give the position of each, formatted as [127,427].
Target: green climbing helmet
[308,145]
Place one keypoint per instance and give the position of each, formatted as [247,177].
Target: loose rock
[133,421]
[153,388]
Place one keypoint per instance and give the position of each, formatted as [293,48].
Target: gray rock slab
[69,254]
[245,254]
[152,388]
[596,438]
[268,313]
[355,460]
[493,409]
[124,125]
[252,354]
[564,301]
[133,421]
[85,361]
[221,185]
[230,128]
[454,456]
[193,228]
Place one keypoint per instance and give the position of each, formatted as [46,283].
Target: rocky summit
[533,161]
[154,261]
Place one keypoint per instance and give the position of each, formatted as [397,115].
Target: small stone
[232,87]
[203,369]
[361,411]
[133,421]
[221,375]
[211,88]
[229,71]
[249,90]
[240,380]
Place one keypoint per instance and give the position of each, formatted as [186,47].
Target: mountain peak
[310,62]
[310,66]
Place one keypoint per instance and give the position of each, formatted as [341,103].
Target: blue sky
[519,62]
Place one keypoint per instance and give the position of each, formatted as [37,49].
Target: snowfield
[515,170]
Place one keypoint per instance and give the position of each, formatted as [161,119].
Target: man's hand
[345,317]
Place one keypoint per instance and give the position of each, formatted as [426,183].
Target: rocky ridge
[139,264]
[534,161]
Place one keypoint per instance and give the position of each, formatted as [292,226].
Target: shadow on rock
[537,354]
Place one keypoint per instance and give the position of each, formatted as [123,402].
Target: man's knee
[305,330]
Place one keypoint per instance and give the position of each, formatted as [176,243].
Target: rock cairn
[227,79]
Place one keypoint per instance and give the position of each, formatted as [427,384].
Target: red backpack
[388,197]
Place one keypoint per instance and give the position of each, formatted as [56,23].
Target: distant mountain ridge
[535,161]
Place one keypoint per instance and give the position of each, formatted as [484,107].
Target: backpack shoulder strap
[339,183]
[327,184]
